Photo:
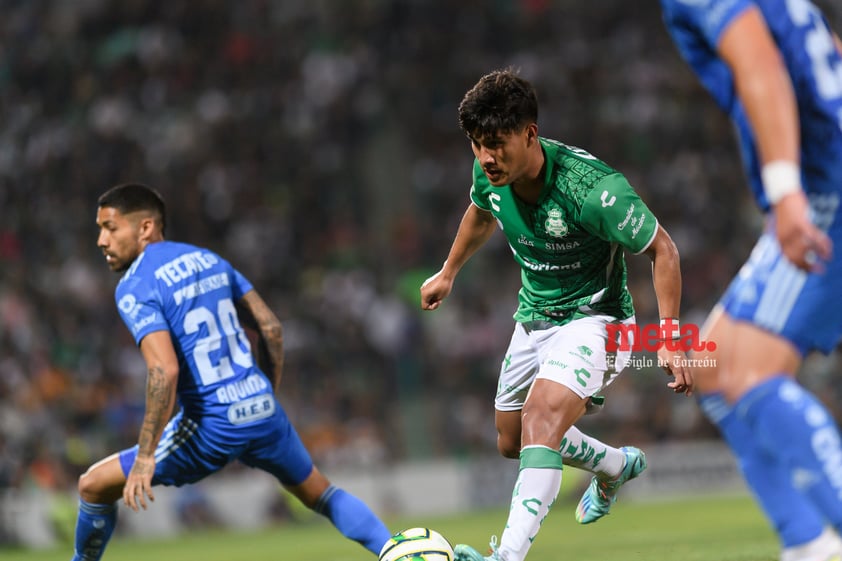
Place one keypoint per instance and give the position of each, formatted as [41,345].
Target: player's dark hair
[500,103]
[134,197]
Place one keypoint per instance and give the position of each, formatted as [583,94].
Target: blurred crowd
[315,145]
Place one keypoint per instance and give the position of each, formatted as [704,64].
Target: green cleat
[600,495]
[464,552]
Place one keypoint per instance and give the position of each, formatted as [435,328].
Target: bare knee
[507,447]
[103,482]
[508,433]
[91,488]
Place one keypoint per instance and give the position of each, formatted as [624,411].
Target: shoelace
[493,545]
[605,487]
[603,492]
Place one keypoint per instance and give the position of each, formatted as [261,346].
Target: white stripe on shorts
[173,441]
[782,290]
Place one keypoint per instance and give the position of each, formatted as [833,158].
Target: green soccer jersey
[570,244]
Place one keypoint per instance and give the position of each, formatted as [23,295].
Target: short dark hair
[134,197]
[501,102]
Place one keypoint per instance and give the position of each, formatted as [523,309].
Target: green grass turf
[721,529]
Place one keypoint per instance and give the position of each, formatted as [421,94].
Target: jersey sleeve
[479,188]
[710,17]
[140,307]
[241,284]
[614,212]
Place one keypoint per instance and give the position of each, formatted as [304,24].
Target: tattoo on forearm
[141,468]
[272,350]
[159,401]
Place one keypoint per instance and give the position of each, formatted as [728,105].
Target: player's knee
[88,488]
[94,488]
[507,447]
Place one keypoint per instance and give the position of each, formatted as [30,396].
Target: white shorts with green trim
[573,355]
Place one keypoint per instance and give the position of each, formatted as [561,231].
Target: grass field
[720,529]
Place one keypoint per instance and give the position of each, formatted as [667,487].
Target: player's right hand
[675,364]
[434,290]
[801,242]
[139,483]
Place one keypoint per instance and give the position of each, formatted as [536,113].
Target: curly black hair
[500,103]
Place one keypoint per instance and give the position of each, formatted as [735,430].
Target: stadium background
[315,145]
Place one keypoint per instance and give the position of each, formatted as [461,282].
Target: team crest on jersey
[555,224]
[128,305]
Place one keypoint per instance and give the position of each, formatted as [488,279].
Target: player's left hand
[676,365]
[806,246]
[139,483]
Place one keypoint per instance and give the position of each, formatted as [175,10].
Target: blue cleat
[464,552]
[600,495]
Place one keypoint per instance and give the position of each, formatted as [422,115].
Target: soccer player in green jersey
[568,218]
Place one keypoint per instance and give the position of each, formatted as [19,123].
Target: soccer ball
[417,544]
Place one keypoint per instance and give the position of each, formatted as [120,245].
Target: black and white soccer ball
[417,544]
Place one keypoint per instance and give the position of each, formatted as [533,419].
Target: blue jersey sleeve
[696,27]
[241,284]
[814,64]
[709,17]
[140,307]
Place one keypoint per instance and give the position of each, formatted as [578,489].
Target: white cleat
[826,547]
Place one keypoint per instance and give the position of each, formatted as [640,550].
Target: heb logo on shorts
[653,336]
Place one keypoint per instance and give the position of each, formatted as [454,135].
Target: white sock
[586,452]
[535,492]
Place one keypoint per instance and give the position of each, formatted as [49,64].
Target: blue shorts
[804,308]
[190,450]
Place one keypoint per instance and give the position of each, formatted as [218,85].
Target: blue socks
[792,424]
[794,518]
[93,530]
[353,518]
[350,515]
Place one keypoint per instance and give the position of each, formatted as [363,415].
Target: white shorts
[573,355]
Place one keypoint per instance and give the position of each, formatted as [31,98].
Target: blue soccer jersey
[814,65]
[770,291]
[190,292]
[228,406]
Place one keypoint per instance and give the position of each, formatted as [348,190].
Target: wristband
[670,329]
[780,178]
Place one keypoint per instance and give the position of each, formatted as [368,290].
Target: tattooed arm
[254,313]
[161,382]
